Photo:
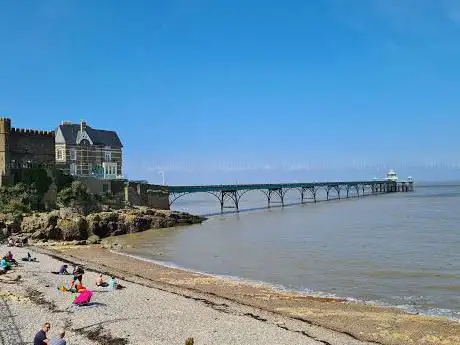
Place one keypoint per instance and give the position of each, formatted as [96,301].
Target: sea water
[400,249]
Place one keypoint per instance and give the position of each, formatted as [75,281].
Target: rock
[93,239]
[68,213]
[73,229]
[67,225]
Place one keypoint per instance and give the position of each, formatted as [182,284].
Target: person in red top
[9,258]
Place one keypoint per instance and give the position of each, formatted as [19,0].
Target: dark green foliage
[78,197]
[38,178]
[18,199]
[61,180]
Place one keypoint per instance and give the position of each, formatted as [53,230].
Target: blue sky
[217,91]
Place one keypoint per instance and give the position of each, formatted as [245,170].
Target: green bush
[18,199]
[38,178]
[77,197]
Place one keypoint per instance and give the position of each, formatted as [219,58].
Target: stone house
[84,151]
[23,149]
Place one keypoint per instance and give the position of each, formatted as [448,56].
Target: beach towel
[83,297]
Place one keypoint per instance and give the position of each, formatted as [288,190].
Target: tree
[37,177]
[78,197]
[19,198]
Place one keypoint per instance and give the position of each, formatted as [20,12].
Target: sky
[219,91]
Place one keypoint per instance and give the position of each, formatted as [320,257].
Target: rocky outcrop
[68,225]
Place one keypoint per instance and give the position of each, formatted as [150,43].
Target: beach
[138,314]
[162,305]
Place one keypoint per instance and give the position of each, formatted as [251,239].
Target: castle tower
[5,129]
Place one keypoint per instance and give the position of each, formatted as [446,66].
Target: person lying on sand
[62,270]
[29,258]
[100,282]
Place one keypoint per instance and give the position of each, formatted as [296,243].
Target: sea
[398,249]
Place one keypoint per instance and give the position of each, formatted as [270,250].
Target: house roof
[98,136]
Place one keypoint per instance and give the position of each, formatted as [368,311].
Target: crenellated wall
[23,148]
[31,147]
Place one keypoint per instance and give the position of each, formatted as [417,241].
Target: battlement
[32,132]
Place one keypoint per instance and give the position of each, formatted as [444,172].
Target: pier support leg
[313,193]
[337,188]
[279,192]
[221,200]
[233,195]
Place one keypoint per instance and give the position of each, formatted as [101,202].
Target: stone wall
[129,192]
[31,147]
[143,194]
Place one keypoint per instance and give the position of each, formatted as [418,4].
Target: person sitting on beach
[113,284]
[63,269]
[9,258]
[100,282]
[40,337]
[59,340]
[5,265]
[77,275]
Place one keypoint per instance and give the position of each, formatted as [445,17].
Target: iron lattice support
[229,195]
[305,190]
[329,188]
[174,196]
[279,192]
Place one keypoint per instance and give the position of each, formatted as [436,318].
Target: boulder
[93,239]
[39,221]
[73,229]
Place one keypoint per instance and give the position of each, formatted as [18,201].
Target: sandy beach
[162,305]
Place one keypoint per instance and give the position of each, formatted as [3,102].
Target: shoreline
[281,288]
[364,322]
[141,313]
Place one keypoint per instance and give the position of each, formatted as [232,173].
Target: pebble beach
[164,306]
[134,315]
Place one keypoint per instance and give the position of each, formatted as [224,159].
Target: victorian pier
[229,196]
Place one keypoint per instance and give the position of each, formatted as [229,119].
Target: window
[110,169]
[107,156]
[105,188]
[73,154]
[60,154]
[73,169]
[90,168]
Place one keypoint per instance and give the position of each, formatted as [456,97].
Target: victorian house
[85,151]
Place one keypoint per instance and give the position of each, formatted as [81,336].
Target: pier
[229,196]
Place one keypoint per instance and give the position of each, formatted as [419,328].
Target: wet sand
[365,323]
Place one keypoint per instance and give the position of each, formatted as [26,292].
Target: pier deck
[275,192]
